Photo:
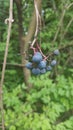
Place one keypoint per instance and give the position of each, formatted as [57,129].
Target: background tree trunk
[24,40]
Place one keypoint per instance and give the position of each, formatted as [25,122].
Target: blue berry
[56,52]
[43,71]
[49,68]
[36,71]
[38,53]
[53,62]
[37,57]
[29,65]
[42,64]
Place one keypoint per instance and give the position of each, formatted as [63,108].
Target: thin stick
[14,65]
[9,21]
[37,23]
[66,7]
[69,5]
[36,32]
[70,22]
[60,22]
[37,20]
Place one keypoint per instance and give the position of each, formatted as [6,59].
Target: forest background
[38,102]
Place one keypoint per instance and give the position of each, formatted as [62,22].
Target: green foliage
[45,105]
[41,107]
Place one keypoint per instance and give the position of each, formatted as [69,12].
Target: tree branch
[59,25]
[25,40]
[65,8]
[64,116]
[9,21]
[22,65]
[68,25]
[14,64]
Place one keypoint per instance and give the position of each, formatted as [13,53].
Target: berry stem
[37,23]
[33,48]
[38,46]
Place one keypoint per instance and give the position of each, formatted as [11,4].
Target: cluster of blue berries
[39,64]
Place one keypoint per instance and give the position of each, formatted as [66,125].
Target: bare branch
[69,5]
[37,23]
[62,48]
[9,20]
[60,22]
[22,65]
[54,7]
[65,8]
[70,22]
[14,64]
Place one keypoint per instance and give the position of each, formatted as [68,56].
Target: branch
[66,46]
[32,26]
[54,7]
[9,21]
[14,64]
[25,40]
[68,25]
[28,38]
[64,116]
[69,5]
[22,65]
[59,25]
[65,8]
[61,48]
[37,23]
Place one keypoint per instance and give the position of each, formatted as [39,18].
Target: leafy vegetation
[47,103]
[42,106]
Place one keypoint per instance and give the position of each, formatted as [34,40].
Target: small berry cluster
[39,63]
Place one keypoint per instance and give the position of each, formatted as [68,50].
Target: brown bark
[24,40]
[20,27]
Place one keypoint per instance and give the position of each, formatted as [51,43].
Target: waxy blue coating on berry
[53,62]
[28,65]
[36,71]
[42,64]
[37,57]
[56,52]
[38,53]
[49,68]
[43,71]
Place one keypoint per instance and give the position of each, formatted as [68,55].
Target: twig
[54,7]
[22,65]
[61,48]
[37,23]
[14,64]
[69,5]
[65,46]
[66,7]
[9,21]
[41,51]
[68,25]
[37,19]
[60,22]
